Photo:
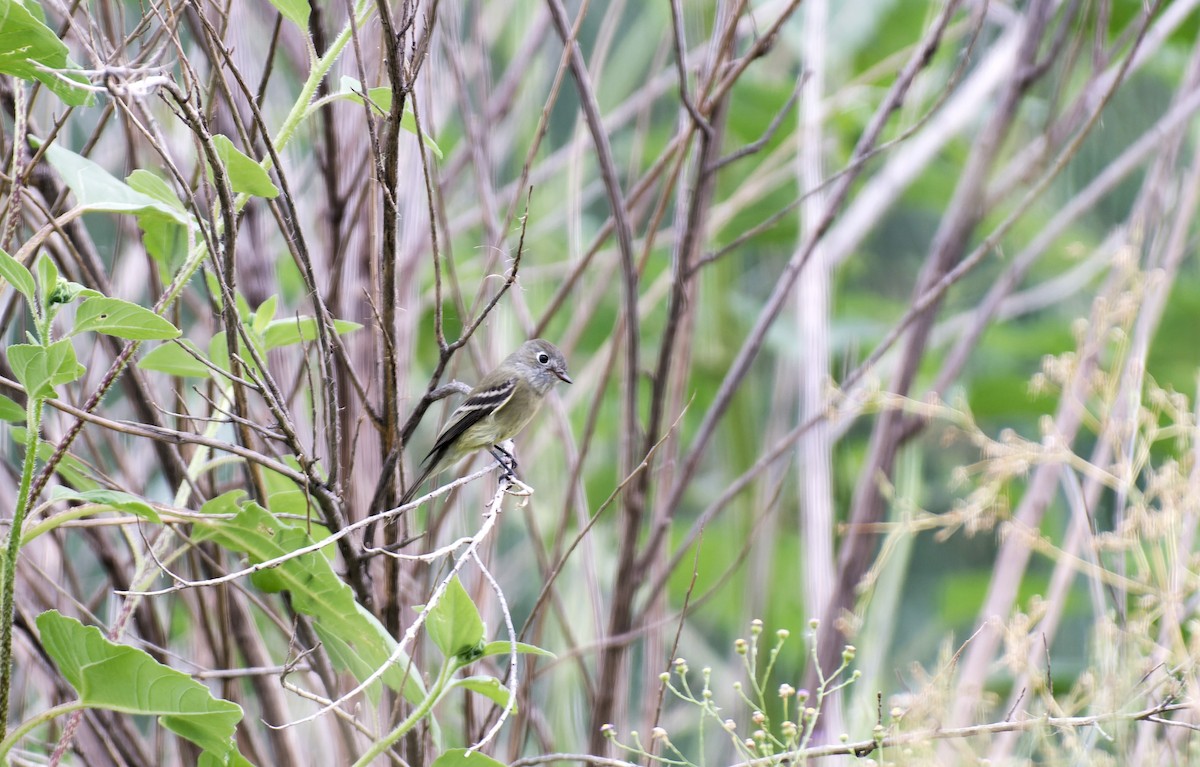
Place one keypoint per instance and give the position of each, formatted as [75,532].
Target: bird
[497,409]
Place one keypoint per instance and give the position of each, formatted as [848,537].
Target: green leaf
[296,329]
[116,317]
[295,11]
[164,237]
[10,410]
[98,190]
[114,499]
[454,623]
[47,273]
[351,89]
[218,352]
[173,360]
[315,587]
[381,101]
[152,185]
[15,273]
[461,757]
[126,679]
[501,647]
[41,368]
[29,48]
[284,496]
[265,313]
[245,175]
[489,687]
[344,657]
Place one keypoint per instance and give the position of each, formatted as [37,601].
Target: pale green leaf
[310,579]
[98,190]
[15,273]
[453,623]
[30,50]
[125,679]
[246,176]
[164,236]
[461,757]
[265,313]
[501,647]
[10,410]
[114,499]
[380,98]
[293,330]
[174,360]
[41,368]
[295,11]
[152,185]
[47,273]
[487,686]
[116,317]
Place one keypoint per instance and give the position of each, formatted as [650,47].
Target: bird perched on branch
[496,410]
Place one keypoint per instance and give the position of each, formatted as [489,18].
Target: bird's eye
[543,358]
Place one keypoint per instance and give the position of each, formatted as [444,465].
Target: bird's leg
[508,464]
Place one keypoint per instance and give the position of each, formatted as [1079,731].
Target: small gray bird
[496,409]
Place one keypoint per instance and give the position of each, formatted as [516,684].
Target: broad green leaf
[351,89]
[284,496]
[27,45]
[489,687]
[461,757]
[126,679]
[454,624]
[35,8]
[41,368]
[381,101]
[243,307]
[173,360]
[152,185]
[501,647]
[116,317]
[164,236]
[314,586]
[295,11]
[10,410]
[344,657]
[164,239]
[98,190]
[47,273]
[218,351]
[112,498]
[245,175]
[208,759]
[265,313]
[296,329]
[15,274]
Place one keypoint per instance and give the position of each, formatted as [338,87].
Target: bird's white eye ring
[543,358]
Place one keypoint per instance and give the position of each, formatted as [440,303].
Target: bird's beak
[562,376]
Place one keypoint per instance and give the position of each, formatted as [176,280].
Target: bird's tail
[412,490]
[409,494]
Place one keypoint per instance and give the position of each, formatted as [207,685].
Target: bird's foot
[508,463]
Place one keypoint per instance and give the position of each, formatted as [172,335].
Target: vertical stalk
[33,424]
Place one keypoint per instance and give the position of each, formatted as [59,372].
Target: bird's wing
[477,407]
